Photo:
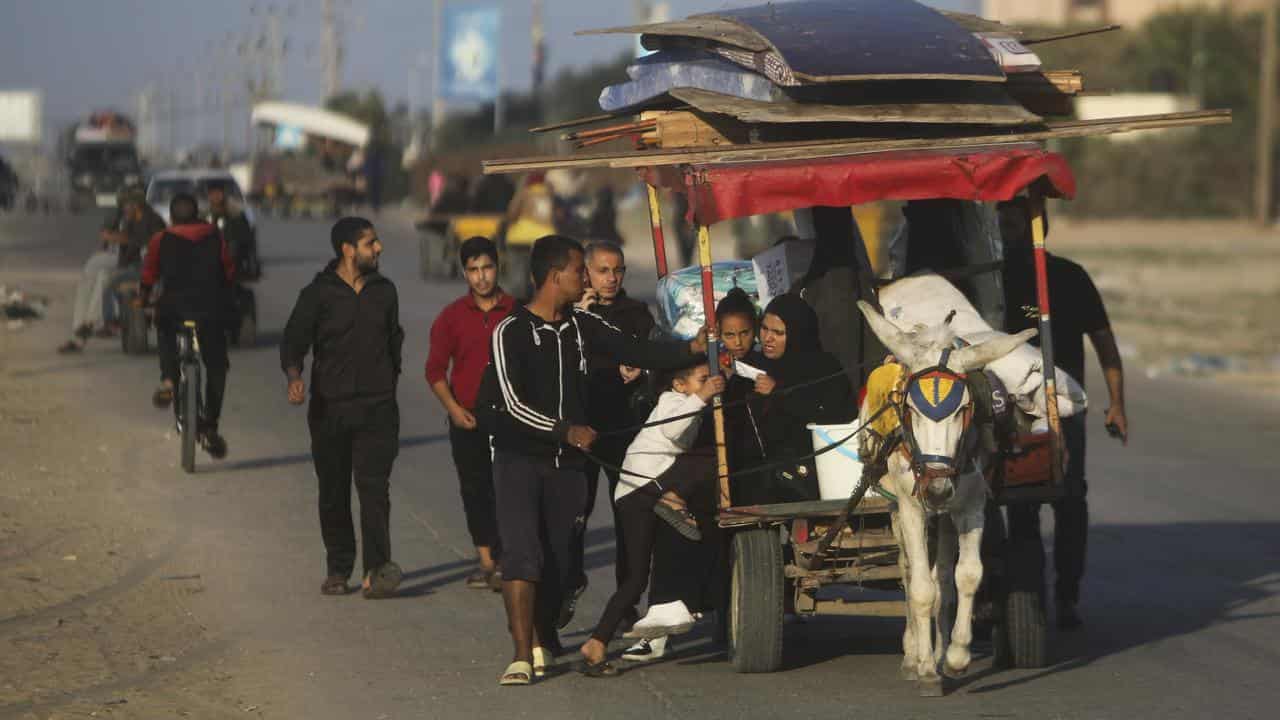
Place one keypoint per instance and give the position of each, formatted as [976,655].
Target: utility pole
[437,105]
[331,49]
[1264,183]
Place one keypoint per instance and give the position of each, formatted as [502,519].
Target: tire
[1024,632]
[755,602]
[190,394]
[133,336]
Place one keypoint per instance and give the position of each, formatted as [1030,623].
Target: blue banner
[469,52]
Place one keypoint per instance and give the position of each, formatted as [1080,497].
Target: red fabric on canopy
[724,192]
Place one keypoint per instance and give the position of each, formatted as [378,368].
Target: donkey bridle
[910,449]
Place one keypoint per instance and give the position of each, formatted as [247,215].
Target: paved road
[1182,591]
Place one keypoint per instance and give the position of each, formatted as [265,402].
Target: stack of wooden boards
[813,72]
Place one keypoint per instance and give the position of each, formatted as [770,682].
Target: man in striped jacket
[542,438]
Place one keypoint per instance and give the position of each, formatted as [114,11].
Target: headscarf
[803,342]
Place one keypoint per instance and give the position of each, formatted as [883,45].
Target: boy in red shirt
[460,342]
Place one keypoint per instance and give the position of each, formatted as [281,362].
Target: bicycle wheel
[189,395]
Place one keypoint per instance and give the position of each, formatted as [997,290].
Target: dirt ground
[93,616]
[1178,289]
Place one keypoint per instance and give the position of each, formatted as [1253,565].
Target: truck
[101,156]
[304,160]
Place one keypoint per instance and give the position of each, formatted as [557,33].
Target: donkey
[928,471]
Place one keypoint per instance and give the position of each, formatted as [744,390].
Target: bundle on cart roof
[824,41]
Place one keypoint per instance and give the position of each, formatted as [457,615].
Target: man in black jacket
[542,434]
[349,319]
[615,391]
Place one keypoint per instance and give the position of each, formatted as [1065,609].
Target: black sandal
[334,585]
[681,519]
[162,397]
[602,669]
[384,582]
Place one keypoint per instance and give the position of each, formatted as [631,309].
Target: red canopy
[724,192]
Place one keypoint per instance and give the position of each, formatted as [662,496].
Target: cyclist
[193,266]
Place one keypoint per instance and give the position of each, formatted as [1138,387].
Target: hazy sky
[85,54]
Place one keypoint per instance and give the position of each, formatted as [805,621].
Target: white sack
[926,299]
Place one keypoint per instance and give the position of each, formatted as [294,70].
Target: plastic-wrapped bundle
[680,295]
[926,299]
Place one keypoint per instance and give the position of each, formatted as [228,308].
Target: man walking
[540,367]
[1077,312]
[458,355]
[614,390]
[349,319]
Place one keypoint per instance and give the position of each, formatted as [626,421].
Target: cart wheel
[755,602]
[133,336]
[1024,629]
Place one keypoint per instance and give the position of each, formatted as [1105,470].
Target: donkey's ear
[898,342]
[976,357]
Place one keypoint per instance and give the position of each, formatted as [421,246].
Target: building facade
[1130,13]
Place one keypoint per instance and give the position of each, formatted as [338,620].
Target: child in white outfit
[660,452]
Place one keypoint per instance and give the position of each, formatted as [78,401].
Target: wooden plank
[686,129]
[578,122]
[827,41]
[1070,35]
[706,27]
[813,150]
[750,515]
[1006,113]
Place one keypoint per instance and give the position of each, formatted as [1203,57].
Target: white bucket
[839,469]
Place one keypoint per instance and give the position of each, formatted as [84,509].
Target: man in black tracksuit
[615,390]
[541,372]
[349,318]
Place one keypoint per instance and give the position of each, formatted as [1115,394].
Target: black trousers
[356,439]
[213,351]
[473,459]
[538,509]
[637,523]
[695,573]
[1070,518]
[611,449]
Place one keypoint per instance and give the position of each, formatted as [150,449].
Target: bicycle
[187,396]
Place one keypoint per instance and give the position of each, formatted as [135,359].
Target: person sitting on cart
[1078,311]
[660,470]
[191,262]
[815,390]
[688,577]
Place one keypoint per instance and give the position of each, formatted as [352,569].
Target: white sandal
[541,659]
[517,673]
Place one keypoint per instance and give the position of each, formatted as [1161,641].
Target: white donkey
[926,472]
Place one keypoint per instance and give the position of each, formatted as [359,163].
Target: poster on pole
[470,52]
[20,116]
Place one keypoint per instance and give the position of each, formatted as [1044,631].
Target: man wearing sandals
[458,355]
[349,319]
[541,437]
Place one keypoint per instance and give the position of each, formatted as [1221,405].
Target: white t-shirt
[655,449]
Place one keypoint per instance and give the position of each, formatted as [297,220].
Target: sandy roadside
[94,618]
